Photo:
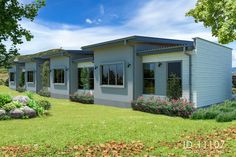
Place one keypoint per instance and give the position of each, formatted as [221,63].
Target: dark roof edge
[138,39]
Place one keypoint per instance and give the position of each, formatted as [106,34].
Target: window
[59,76]
[12,76]
[112,74]
[175,75]
[30,76]
[149,78]
[86,78]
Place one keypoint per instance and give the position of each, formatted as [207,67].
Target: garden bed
[22,107]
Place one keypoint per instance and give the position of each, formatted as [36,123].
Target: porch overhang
[79,60]
[170,49]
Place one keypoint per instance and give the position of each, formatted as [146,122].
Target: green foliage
[9,107]
[174,90]
[45,104]
[219,15]
[84,78]
[12,12]
[220,112]
[17,104]
[30,94]
[44,92]
[85,98]
[45,75]
[180,107]
[34,105]
[20,89]
[4,99]
[226,117]
[22,79]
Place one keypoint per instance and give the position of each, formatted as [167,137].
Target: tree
[45,74]
[219,15]
[11,31]
[85,78]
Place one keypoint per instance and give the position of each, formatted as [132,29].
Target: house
[122,70]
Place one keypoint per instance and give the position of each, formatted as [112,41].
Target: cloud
[158,18]
[88,21]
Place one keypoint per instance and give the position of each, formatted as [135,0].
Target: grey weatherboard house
[122,70]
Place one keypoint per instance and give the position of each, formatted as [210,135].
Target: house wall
[161,72]
[212,78]
[115,96]
[31,86]
[60,90]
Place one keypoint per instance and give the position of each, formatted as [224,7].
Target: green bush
[17,104]
[21,89]
[85,98]
[30,95]
[44,92]
[221,112]
[45,104]
[226,117]
[4,99]
[9,107]
[180,107]
[34,105]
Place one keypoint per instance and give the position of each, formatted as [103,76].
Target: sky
[71,24]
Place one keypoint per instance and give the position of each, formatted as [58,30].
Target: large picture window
[30,76]
[149,78]
[112,74]
[86,78]
[59,76]
[12,76]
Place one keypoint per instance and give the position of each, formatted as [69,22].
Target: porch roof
[169,49]
[139,39]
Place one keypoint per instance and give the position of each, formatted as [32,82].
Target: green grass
[74,123]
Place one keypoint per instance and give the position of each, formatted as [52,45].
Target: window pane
[174,69]
[30,76]
[59,76]
[148,70]
[12,76]
[91,72]
[149,86]
[112,74]
[105,69]
[91,83]
[119,73]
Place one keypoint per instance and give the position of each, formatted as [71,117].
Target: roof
[140,39]
[50,53]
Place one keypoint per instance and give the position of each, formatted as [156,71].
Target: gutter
[190,74]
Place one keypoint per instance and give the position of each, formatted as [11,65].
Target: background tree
[45,74]
[219,15]
[11,31]
[85,78]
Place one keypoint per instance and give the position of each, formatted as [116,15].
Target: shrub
[45,104]
[226,117]
[85,98]
[180,107]
[4,99]
[34,105]
[30,94]
[9,107]
[221,112]
[7,82]
[17,104]
[44,92]
[21,89]
[2,82]
[174,90]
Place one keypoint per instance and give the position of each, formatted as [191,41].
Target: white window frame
[112,86]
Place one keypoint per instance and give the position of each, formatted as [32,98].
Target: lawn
[77,124]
